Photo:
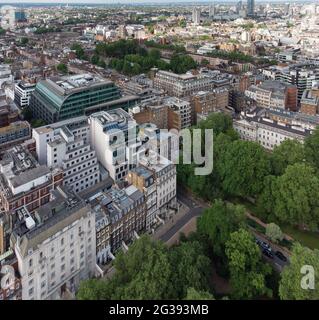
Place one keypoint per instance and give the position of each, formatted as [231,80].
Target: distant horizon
[112,2]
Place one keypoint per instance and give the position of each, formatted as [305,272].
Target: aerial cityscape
[159,150]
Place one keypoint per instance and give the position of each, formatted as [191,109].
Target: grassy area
[306,238]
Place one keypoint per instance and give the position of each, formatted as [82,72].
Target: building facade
[114,139]
[143,179]
[267,132]
[13,134]
[309,103]
[66,145]
[123,212]
[274,94]
[25,183]
[22,93]
[164,172]
[180,85]
[56,247]
[67,97]
[206,102]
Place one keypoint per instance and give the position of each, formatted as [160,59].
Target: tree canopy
[243,167]
[62,67]
[295,196]
[149,270]
[219,221]
[290,286]
[287,153]
[312,149]
[273,232]
[247,270]
[193,294]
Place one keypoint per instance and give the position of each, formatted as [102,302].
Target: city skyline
[140,1]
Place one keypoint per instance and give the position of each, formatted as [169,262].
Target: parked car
[263,245]
[281,256]
[268,253]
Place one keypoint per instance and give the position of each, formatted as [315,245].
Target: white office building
[22,93]
[268,132]
[196,15]
[164,172]
[66,145]
[55,248]
[113,139]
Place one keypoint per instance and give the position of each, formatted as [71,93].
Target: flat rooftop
[66,85]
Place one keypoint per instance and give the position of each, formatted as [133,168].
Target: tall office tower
[287,9]
[239,6]
[250,7]
[211,12]
[11,16]
[196,15]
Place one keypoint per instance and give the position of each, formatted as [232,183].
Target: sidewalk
[169,223]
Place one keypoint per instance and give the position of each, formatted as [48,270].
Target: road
[275,262]
[195,210]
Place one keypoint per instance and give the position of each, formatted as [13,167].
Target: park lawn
[306,238]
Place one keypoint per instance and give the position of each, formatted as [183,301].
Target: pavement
[194,210]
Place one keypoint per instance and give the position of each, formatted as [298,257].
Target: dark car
[268,254]
[281,256]
[263,245]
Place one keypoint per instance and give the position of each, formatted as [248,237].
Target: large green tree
[144,272]
[217,121]
[193,294]
[94,289]
[287,153]
[62,67]
[219,221]
[191,268]
[247,270]
[181,63]
[243,167]
[265,201]
[312,149]
[295,274]
[273,232]
[79,51]
[296,199]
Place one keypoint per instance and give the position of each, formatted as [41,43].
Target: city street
[277,263]
[196,209]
